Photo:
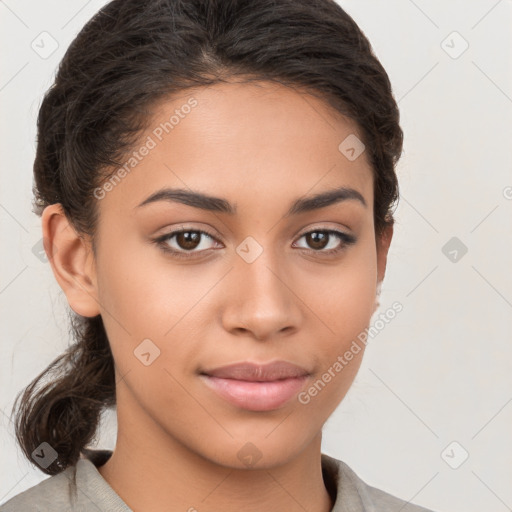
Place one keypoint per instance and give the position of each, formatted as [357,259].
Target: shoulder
[80,488]
[55,491]
[356,494]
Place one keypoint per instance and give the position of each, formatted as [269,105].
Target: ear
[72,261]
[382,242]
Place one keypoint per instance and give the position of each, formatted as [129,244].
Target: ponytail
[63,404]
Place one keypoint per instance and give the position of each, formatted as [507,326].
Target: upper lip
[255,372]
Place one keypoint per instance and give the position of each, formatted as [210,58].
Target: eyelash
[345,238]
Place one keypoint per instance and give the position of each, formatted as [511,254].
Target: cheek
[345,304]
[142,290]
[345,307]
[343,296]
[144,296]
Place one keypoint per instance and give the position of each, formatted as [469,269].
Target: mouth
[256,387]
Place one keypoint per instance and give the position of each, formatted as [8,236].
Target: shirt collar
[337,478]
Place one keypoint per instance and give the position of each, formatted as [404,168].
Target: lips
[256,387]
[253,372]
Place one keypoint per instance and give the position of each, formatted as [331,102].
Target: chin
[259,451]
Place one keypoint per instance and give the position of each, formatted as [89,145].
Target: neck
[157,472]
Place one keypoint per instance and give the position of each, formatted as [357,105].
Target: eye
[319,239]
[185,242]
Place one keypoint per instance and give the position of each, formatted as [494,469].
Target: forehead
[244,141]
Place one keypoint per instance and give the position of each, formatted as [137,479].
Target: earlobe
[72,261]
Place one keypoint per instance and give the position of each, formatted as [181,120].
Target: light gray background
[441,371]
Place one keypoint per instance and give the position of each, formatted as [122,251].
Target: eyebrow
[217,204]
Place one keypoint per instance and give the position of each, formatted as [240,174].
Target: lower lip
[255,396]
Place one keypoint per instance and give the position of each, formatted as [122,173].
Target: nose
[260,299]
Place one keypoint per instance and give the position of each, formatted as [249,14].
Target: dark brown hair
[129,56]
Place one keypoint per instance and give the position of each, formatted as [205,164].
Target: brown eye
[188,239]
[185,242]
[318,239]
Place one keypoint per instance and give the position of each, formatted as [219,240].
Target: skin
[260,146]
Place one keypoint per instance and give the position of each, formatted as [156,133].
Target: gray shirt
[94,494]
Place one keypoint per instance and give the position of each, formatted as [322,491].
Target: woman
[216,182]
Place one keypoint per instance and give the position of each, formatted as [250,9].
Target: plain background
[441,371]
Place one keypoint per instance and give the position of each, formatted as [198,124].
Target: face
[182,288]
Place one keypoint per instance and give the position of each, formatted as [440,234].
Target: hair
[133,54]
